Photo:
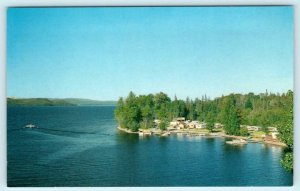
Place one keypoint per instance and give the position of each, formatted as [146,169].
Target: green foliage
[287,161]
[285,129]
[190,109]
[244,131]
[231,116]
[146,123]
[210,121]
[163,125]
[266,109]
[248,104]
[161,105]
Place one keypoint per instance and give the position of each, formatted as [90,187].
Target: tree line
[265,109]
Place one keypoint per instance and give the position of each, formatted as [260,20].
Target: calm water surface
[80,146]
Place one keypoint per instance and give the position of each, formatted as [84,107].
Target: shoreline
[127,130]
[208,135]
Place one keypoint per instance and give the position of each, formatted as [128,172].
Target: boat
[237,142]
[30,126]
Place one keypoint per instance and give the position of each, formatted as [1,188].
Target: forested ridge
[57,102]
[37,102]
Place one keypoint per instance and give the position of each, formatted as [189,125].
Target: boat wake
[64,131]
[60,132]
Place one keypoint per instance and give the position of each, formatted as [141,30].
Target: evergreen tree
[231,117]
[210,121]
[286,134]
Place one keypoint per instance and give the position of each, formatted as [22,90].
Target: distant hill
[82,102]
[37,102]
[57,102]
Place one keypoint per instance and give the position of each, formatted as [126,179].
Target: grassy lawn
[257,134]
[217,130]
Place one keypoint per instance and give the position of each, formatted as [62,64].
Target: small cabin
[193,124]
[218,125]
[180,126]
[173,123]
[253,128]
[272,129]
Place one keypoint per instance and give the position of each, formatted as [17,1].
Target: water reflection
[127,138]
[179,136]
[274,150]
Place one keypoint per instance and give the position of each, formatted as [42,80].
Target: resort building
[180,126]
[193,124]
[253,128]
[218,125]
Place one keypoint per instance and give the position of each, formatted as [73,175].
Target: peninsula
[265,118]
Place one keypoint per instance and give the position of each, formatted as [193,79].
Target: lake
[81,146]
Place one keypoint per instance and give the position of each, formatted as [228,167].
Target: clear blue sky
[103,53]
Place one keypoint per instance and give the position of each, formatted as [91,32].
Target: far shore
[192,132]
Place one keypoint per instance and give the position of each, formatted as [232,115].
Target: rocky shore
[191,132]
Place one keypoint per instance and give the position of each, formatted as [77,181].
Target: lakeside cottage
[218,125]
[180,126]
[181,123]
[174,123]
[192,124]
[272,129]
[180,119]
[253,128]
[257,128]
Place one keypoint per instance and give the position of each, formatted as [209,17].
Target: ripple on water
[80,146]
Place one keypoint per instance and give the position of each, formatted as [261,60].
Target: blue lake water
[81,146]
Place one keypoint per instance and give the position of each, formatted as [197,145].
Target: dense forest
[265,110]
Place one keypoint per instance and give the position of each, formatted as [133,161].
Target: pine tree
[231,116]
